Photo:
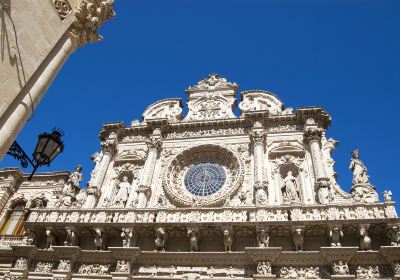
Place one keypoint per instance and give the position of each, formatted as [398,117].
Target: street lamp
[47,148]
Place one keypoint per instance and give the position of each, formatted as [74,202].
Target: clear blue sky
[342,55]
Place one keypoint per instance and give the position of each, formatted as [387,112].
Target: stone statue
[365,240]
[341,268]
[264,268]
[72,238]
[30,237]
[324,194]
[263,238]
[298,239]
[50,239]
[335,235]
[92,196]
[99,239]
[290,189]
[129,237]
[228,240]
[393,234]
[193,234]
[161,239]
[359,170]
[71,188]
[21,263]
[387,195]
[123,192]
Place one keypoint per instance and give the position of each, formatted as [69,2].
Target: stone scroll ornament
[63,8]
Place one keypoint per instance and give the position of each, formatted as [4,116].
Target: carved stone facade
[209,195]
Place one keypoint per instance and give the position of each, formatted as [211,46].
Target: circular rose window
[203,175]
[205,178]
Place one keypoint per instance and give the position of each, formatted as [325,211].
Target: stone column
[109,150]
[257,136]
[144,188]
[8,187]
[82,31]
[312,137]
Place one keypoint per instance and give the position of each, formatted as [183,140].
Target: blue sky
[342,55]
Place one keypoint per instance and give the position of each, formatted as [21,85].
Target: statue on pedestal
[360,175]
[123,193]
[71,188]
[290,190]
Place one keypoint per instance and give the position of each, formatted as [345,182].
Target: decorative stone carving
[341,268]
[122,266]
[21,263]
[335,235]
[212,98]
[63,8]
[71,188]
[298,238]
[365,240]
[396,268]
[299,272]
[44,267]
[393,233]
[228,240]
[367,272]
[193,234]
[64,265]
[259,100]
[72,237]
[170,109]
[90,16]
[161,239]
[263,238]
[129,237]
[50,239]
[264,268]
[387,195]
[99,239]
[99,269]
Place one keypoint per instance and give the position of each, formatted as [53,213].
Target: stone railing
[216,215]
[6,241]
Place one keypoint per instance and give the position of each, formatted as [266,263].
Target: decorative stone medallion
[203,175]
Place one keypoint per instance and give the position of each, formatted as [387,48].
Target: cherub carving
[264,268]
[263,238]
[341,268]
[387,195]
[335,235]
[228,240]
[161,239]
[298,239]
[365,240]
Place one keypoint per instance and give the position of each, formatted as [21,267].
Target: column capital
[312,134]
[154,143]
[90,15]
[109,146]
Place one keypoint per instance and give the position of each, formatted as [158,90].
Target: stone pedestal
[121,276]
[263,254]
[62,274]
[334,254]
[17,273]
[40,276]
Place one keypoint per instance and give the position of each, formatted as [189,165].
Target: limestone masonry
[206,195]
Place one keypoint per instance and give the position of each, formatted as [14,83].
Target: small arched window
[14,224]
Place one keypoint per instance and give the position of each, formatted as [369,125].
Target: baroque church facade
[205,195]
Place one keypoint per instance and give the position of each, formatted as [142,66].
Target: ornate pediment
[260,100]
[125,155]
[170,109]
[212,98]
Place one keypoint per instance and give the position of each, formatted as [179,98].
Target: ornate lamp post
[47,148]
